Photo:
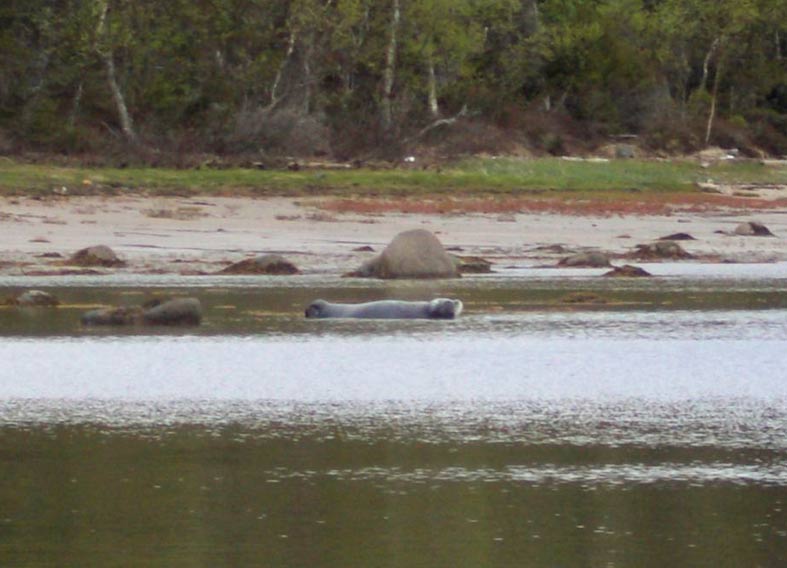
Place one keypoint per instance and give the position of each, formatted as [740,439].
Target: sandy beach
[203,235]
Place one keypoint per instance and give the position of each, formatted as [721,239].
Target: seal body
[439,308]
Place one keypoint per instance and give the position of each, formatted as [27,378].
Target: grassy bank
[473,177]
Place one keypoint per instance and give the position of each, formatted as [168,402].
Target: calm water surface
[647,427]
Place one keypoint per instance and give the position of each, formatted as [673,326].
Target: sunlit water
[645,431]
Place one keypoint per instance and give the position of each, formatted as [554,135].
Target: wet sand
[193,235]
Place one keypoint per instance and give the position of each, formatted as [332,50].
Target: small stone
[591,259]
[274,264]
[627,271]
[678,237]
[753,229]
[660,250]
[34,298]
[99,255]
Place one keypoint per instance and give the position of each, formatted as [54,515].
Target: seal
[439,308]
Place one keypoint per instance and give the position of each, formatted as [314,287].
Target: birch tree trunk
[714,97]
[126,123]
[706,63]
[389,73]
[277,80]
[434,108]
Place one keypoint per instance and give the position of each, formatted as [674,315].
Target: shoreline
[187,235]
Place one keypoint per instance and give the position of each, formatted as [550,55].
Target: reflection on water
[647,430]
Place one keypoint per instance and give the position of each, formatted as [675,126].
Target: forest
[349,79]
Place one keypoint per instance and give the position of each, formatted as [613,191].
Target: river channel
[563,420]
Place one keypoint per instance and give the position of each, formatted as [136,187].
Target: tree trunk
[277,80]
[706,63]
[126,123]
[72,116]
[390,68]
[714,97]
[434,108]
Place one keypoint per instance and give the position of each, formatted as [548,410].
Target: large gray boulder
[98,255]
[411,254]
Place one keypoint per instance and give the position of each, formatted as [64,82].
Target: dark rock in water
[678,237]
[178,311]
[34,298]
[411,254]
[265,264]
[99,255]
[660,250]
[472,264]
[591,259]
[627,271]
[583,298]
[365,248]
[125,315]
[753,229]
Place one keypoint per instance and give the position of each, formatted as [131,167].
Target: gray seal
[439,308]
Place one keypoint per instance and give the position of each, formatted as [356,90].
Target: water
[645,428]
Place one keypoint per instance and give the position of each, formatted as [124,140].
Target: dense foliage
[333,77]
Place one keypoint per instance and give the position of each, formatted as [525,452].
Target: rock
[365,248]
[34,298]
[264,264]
[660,250]
[753,229]
[99,255]
[411,254]
[627,271]
[583,298]
[471,264]
[112,316]
[678,237]
[592,259]
[625,151]
[178,311]
[552,249]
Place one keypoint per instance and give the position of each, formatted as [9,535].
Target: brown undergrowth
[602,205]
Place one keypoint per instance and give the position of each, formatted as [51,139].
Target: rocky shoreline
[184,236]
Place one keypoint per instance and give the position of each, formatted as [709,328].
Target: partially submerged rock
[627,271]
[265,264]
[177,311]
[411,254]
[753,229]
[583,298]
[34,298]
[125,315]
[660,250]
[99,255]
[591,259]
